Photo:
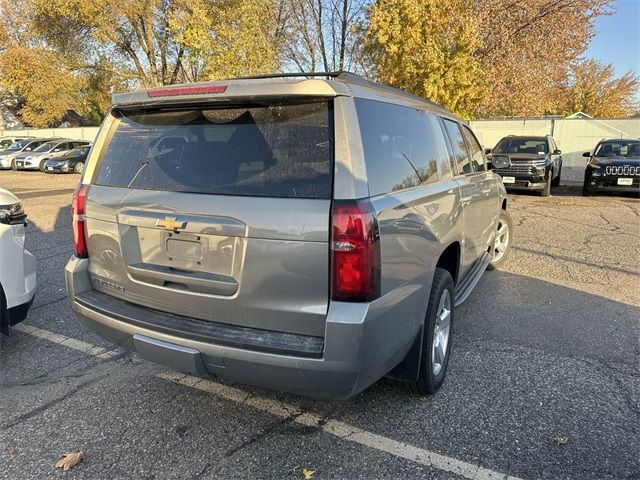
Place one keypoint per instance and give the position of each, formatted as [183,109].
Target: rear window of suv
[270,151]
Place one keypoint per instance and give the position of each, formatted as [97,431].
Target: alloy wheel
[501,242]
[440,342]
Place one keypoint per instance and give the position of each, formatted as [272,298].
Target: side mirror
[586,154]
[487,151]
[501,161]
[557,152]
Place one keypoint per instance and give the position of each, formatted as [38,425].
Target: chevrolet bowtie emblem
[170,223]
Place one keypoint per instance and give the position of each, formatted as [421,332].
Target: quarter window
[398,146]
[458,146]
[477,155]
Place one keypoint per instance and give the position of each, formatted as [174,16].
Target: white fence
[80,133]
[574,136]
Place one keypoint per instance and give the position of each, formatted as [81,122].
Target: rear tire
[556,181]
[546,191]
[585,183]
[502,243]
[4,320]
[436,340]
[78,167]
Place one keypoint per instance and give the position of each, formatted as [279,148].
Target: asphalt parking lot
[544,380]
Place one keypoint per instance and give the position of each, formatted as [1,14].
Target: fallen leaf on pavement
[560,440]
[69,460]
[308,474]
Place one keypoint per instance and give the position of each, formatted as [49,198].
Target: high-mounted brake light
[178,91]
[78,205]
[355,251]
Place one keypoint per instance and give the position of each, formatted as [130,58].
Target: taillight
[78,210]
[355,251]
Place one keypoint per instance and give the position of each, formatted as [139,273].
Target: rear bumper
[362,343]
[20,288]
[15,315]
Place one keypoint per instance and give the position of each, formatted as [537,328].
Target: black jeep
[614,166]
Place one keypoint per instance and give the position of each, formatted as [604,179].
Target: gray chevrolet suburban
[309,234]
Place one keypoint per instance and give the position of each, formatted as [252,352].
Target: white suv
[17,265]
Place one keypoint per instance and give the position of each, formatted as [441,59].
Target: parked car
[6,142]
[17,265]
[536,163]
[306,235]
[72,161]
[614,166]
[22,146]
[36,159]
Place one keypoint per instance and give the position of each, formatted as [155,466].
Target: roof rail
[344,76]
[297,75]
[360,80]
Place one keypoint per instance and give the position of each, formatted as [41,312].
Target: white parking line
[89,349]
[341,430]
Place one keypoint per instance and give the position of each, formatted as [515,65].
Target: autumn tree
[527,48]
[227,39]
[161,42]
[427,47]
[485,57]
[48,89]
[97,46]
[321,35]
[593,89]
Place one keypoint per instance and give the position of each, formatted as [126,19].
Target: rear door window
[458,146]
[398,146]
[270,151]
